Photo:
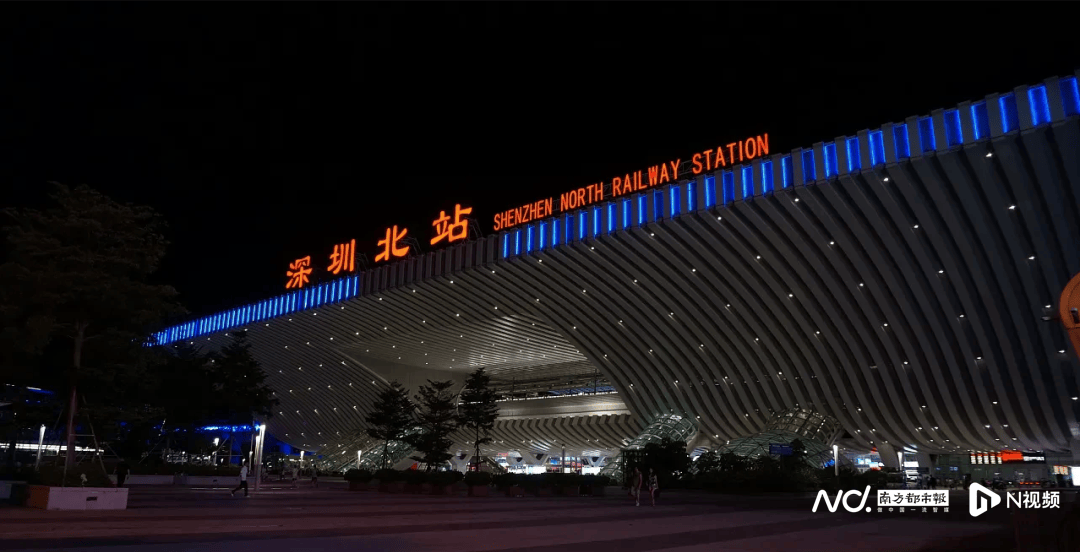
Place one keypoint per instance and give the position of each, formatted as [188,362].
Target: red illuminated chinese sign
[708,160]
[451,231]
[298,273]
[343,259]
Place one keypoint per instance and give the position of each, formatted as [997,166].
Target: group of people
[638,480]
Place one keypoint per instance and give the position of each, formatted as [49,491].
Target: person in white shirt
[243,482]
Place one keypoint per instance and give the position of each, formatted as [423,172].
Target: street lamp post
[216,441]
[357,459]
[260,442]
[836,460]
[903,472]
[41,440]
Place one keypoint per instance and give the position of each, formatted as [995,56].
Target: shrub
[53,476]
[477,479]
[443,478]
[388,476]
[414,477]
[506,480]
[360,476]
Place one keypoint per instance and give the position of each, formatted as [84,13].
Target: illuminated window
[1009,118]
[555,226]
[900,139]
[595,221]
[582,216]
[980,120]
[506,246]
[877,148]
[529,239]
[954,134]
[658,205]
[673,191]
[611,217]
[626,213]
[642,207]
[710,192]
[747,182]
[766,178]
[517,242]
[1070,96]
[728,184]
[809,171]
[691,196]
[926,134]
[542,234]
[1040,106]
[569,227]
[829,152]
[854,161]
[787,172]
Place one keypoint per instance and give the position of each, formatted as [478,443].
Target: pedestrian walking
[654,486]
[122,471]
[243,482]
[295,476]
[314,477]
[638,481]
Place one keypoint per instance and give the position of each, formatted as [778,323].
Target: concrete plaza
[280,518]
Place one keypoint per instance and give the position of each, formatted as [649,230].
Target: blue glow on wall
[555,232]
[691,196]
[954,134]
[517,242]
[829,153]
[747,182]
[980,120]
[626,207]
[506,246]
[658,205]
[569,227]
[926,134]
[581,225]
[766,178]
[900,139]
[854,161]
[528,239]
[611,217]
[642,206]
[727,182]
[1040,106]
[877,148]
[809,170]
[595,221]
[543,234]
[673,201]
[710,192]
[1070,96]
[787,172]
[1010,120]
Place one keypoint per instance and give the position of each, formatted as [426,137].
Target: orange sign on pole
[391,243]
[343,258]
[298,272]
[458,230]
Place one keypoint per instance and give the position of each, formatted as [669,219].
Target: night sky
[264,132]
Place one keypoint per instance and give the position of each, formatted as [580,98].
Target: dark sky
[268,131]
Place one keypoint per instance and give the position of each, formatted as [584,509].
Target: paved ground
[167,519]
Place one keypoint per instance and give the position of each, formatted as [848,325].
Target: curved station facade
[899,288]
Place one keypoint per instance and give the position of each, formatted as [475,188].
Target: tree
[239,384]
[391,418]
[708,462]
[668,457]
[438,420]
[478,410]
[81,270]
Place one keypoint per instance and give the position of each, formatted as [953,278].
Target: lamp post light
[41,440]
[836,460]
[357,459]
[903,472]
[260,442]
